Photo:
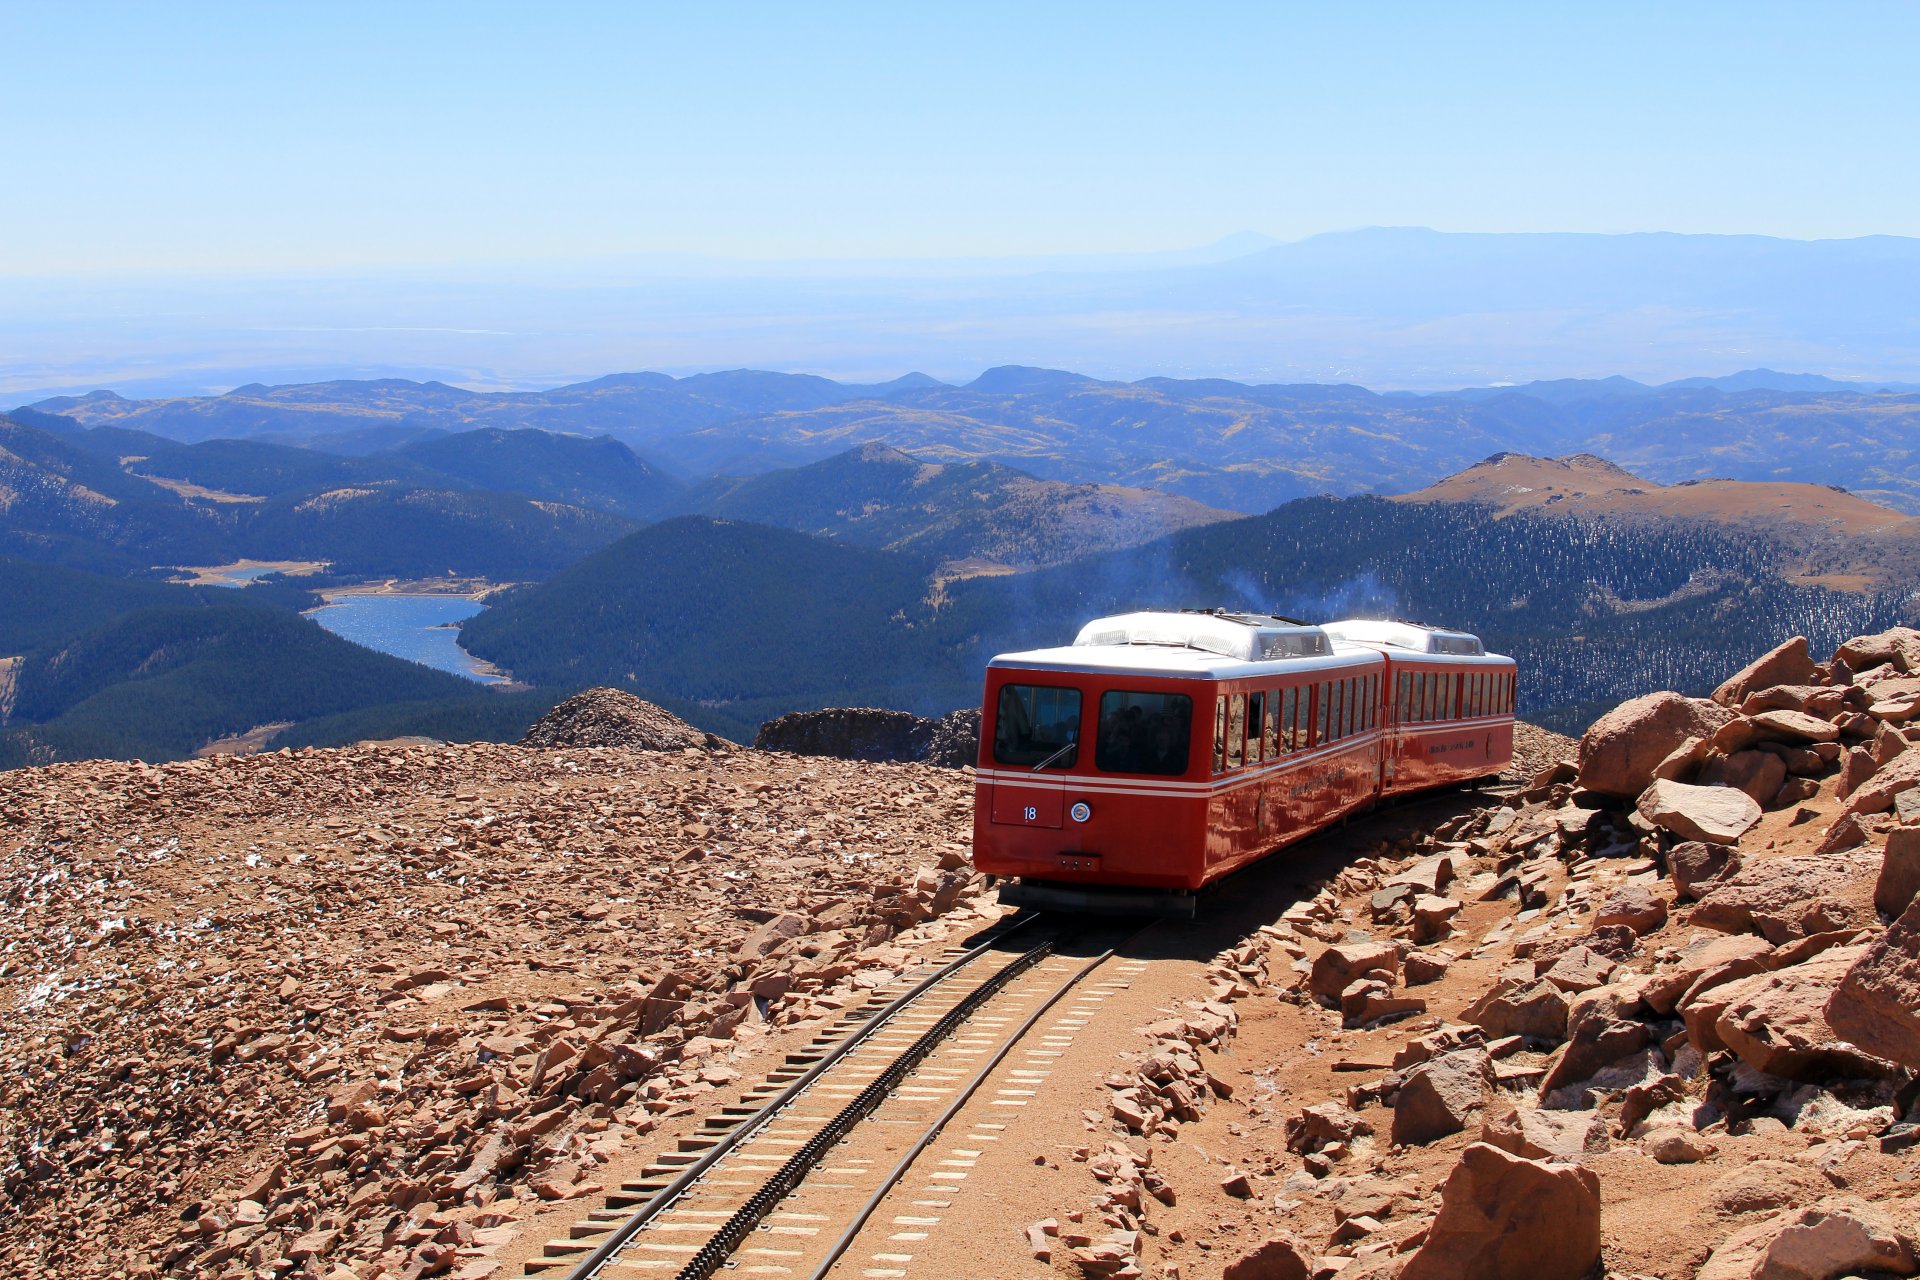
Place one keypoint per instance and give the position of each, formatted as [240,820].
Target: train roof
[1213,644]
[1410,637]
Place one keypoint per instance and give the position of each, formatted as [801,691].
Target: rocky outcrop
[613,718]
[1788,663]
[875,735]
[1619,753]
[1503,1217]
[1786,898]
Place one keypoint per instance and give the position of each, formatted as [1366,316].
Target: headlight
[1081,811]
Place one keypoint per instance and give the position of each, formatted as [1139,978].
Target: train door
[1036,740]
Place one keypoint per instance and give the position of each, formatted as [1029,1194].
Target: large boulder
[1440,1096]
[1875,1002]
[1758,773]
[1536,1010]
[1278,1257]
[1716,815]
[1786,898]
[1504,1217]
[1619,753]
[1777,1022]
[1633,905]
[1336,968]
[1709,962]
[1785,663]
[1898,645]
[1831,1239]
[1696,866]
[1882,784]
[1899,881]
[1602,1028]
[1546,1135]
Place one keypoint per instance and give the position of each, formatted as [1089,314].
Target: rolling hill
[876,496]
[1226,444]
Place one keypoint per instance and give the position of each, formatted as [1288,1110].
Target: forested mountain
[877,496]
[1227,444]
[728,615]
[1826,536]
[64,502]
[99,666]
[748,622]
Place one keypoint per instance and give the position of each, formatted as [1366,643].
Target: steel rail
[940,1122]
[609,1249]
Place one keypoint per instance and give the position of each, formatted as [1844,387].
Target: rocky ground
[383,1012]
[356,1012]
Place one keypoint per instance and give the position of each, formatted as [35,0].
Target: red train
[1160,751]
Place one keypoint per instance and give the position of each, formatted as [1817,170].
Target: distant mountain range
[1223,444]
[1393,307]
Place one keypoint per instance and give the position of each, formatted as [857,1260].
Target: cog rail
[730,1234]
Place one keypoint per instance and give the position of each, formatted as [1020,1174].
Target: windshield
[1144,732]
[1037,724]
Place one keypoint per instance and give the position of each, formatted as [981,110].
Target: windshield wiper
[1066,747]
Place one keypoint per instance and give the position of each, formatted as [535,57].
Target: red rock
[1537,1011]
[1336,968]
[1796,726]
[1899,878]
[1633,905]
[1619,752]
[1503,1217]
[1440,1096]
[1278,1257]
[1717,815]
[1777,1022]
[1758,773]
[1534,1134]
[1696,866]
[1834,1238]
[1874,1004]
[1787,663]
[1705,965]
[1897,645]
[1792,897]
[1877,792]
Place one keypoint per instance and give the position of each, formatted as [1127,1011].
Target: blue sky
[183,137]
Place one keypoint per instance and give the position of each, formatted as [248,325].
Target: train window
[1219,735]
[1143,732]
[1353,707]
[1369,702]
[1293,734]
[1323,709]
[1270,726]
[1236,730]
[1403,697]
[1037,725]
[1256,717]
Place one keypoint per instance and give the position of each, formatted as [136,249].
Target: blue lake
[411,627]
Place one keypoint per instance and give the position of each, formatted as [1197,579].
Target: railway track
[783,1183]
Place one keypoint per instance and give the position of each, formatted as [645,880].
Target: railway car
[1162,750]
